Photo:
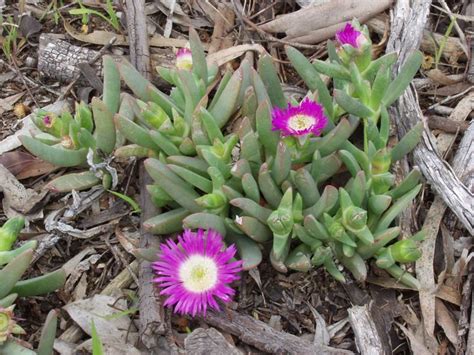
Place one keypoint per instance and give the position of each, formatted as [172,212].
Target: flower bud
[354,218]
[184,59]
[280,222]
[211,201]
[381,161]
[9,232]
[84,116]
[405,251]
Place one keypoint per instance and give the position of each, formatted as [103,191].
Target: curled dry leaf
[24,165]
[301,22]
[445,319]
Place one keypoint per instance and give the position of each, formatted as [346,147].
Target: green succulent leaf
[167,222]
[269,76]
[408,142]
[351,105]
[55,155]
[401,82]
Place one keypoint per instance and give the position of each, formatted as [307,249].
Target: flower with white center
[184,59]
[196,272]
[307,117]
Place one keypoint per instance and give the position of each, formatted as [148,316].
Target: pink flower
[349,35]
[196,272]
[48,121]
[299,120]
[184,59]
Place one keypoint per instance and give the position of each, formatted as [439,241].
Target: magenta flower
[48,121]
[196,272]
[299,120]
[349,35]
[184,59]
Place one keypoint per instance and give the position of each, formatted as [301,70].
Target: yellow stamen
[198,273]
[300,122]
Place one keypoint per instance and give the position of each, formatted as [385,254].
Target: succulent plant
[268,178]
[254,185]
[85,139]
[13,264]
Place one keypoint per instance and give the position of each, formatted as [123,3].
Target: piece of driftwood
[365,331]
[301,22]
[208,342]
[407,24]
[152,324]
[263,337]
[59,60]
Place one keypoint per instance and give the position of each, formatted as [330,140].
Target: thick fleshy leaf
[193,178]
[177,188]
[8,301]
[111,94]
[269,189]
[386,60]
[48,334]
[381,239]
[250,149]
[357,190]
[315,228]
[299,259]
[135,133]
[311,77]
[13,271]
[408,183]
[351,105]
[252,227]
[250,187]
[402,203]
[329,199]
[269,76]
[74,181]
[199,58]
[164,143]
[134,80]
[267,137]
[379,203]
[220,89]
[403,276]
[41,285]
[333,70]
[251,208]
[205,221]
[104,132]
[8,255]
[55,155]
[249,251]
[349,161]
[192,163]
[380,86]
[212,129]
[226,105]
[281,164]
[324,168]
[337,136]
[401,82]
[307,187]
[166,223]
[408,142]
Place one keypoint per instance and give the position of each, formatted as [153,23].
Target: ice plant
[184,59]
[305,118]
[196,272]
[349,35]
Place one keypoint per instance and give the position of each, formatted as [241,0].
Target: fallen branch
[365,331]
[260,335]
[407,25]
